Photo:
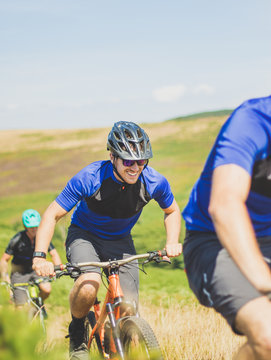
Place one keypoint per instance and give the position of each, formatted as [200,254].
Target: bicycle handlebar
[150,256]
[29,283]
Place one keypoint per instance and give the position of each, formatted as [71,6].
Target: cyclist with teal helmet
[20,249]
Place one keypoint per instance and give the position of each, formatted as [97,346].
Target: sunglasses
[129,163]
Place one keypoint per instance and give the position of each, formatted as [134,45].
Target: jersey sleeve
[12,244]
[163,194]
[76,189]
[241,140]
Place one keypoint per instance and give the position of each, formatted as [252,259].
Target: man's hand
[173,250]
[43,267]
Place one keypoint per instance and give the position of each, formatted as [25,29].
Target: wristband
[40,254]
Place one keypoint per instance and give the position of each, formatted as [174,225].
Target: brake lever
[61,273]
[70,270]
[167,261]
[158,260]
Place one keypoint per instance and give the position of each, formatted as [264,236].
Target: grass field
[35,166]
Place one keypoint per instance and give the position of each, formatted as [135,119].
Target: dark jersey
[22,250]
[107,207]
[244,140]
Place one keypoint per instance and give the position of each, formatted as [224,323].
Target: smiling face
[129,174]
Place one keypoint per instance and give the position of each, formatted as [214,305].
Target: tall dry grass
[191,332]
[185,331]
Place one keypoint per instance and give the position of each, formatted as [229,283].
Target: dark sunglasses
[129,163]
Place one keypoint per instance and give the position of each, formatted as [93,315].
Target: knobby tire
[139,340]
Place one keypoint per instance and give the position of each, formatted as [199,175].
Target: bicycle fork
[115,330]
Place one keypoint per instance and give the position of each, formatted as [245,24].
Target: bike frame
[113,301]
[111,307]
[31,289]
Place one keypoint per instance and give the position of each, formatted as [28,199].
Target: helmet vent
[139,133]
[128,134]
[116,135]
[122,146]
[132,147]
[111,143]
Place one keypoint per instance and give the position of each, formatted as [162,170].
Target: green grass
[180,157]
[205,114]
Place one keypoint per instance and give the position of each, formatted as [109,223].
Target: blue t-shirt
[107,207]
[244,140]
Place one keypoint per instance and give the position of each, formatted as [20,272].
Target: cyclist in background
[109,197]
[20,249]
[228,222]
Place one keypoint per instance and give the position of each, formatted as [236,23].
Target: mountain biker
[20,248]
[228,222]
[109,197]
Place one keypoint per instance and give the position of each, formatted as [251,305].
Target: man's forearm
[236,234]
[4,271]
[55,257]
[44,235]
[172,223]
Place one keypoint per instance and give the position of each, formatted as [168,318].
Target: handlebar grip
[59,267]
[162,253]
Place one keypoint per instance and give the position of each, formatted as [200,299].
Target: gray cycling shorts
[82,246]
[215,278]
[20,296]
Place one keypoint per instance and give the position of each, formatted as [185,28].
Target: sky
[90,63]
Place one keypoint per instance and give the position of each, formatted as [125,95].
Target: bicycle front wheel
[139,341]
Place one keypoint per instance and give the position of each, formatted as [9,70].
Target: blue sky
[84,63]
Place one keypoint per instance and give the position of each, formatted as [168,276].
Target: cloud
[169,93]
[203,89]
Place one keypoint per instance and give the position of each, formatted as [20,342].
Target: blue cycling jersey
[107,207]
[244,140]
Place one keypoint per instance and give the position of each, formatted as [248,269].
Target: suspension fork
[113,311]
[115,331]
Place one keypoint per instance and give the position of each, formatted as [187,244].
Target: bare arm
[172,221]
[55,257]
[44,235]
[230,188]
[4,267]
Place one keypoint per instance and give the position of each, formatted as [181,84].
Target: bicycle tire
[139,340]
[92,322]
[35,312]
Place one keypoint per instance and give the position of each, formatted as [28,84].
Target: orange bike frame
[114,292]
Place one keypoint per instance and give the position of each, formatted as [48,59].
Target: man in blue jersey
[228,220]
[109,197]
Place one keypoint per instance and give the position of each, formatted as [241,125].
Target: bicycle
[117,336]
[31,288]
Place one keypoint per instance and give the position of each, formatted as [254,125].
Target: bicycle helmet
[31,218]
[129,141]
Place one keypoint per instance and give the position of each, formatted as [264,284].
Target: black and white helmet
[129,141]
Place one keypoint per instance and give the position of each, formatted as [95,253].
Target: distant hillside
[207,114]
[33,161]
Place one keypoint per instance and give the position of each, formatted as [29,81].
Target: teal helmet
[31,218]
